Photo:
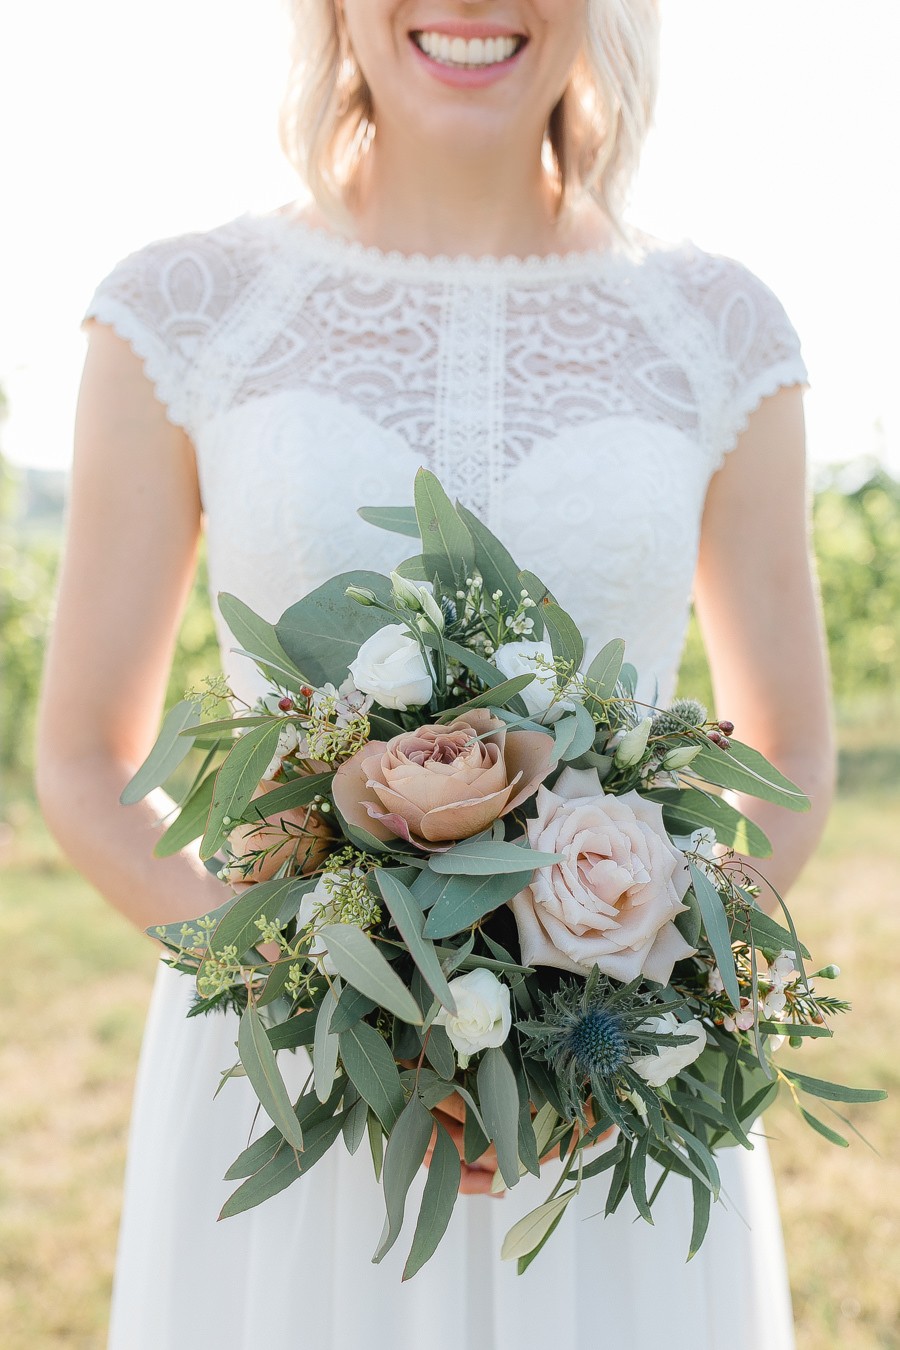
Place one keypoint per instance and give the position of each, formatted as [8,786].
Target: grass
[67,1065]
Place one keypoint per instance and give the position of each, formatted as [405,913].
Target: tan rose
[442,783]
[613,900]
[300,836]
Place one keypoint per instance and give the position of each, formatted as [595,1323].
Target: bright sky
[774,144]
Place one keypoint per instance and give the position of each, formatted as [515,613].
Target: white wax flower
[483,1014]
[317,907]
[390,667]
[669,1060]
[526,658]
[288,742]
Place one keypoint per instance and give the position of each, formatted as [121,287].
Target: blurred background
[774,144]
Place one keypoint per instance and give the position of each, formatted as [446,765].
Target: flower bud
[828,973]
[630,750]
[727,728]
[681,756]
[362,595]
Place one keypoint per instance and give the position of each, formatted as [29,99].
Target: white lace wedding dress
[581,404]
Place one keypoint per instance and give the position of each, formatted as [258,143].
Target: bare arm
[134,521]
[759,610]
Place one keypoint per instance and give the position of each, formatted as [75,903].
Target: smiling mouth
[471,54]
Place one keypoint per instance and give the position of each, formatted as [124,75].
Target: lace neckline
[292,232]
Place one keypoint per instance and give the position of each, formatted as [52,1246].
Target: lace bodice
[580,403]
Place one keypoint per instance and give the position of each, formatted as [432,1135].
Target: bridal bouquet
[458,862]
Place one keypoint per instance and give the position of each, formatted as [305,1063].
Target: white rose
[483,1014]
[524,658]
[614,899]
[390,667]
[669,1060]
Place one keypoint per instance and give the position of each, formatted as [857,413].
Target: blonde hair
[594,135]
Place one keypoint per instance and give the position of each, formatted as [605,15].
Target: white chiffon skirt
[296,1273]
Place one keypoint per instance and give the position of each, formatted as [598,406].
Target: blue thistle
[589,1031]
[597,1043]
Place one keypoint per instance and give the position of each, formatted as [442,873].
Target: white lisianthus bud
[483,1014]
[390,666]
[362,595]
[418,598]
[669,1060]
[533,658]
[631,747]
[681,757]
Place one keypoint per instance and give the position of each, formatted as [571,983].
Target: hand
[477,1177]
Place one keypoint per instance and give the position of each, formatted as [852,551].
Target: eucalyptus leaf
[277,901]
[359,961]
[746,770]
[565,636]
[403,1157]
[289,796]
[396,519]
[438,1199]
[257,637]
[352,1007]
[715,923]
[326,629]
[485,857]
[297,1030]
[236,781]
[603,672]
[462,900]
[284,1168]
[373,1072]
[498,571]
[499,1098]
[354,1126]
[824,1130]
[834,1092]
[530,1231]
[258,1058]
[190,822]
[496,697]
[702,1203]
[409,920]
[439,1052]
[325,1045]
[169,749]
[443,534]
[688,809]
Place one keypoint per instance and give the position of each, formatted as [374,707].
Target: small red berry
[726,727]
[306,691]
[285,704]
[715,736]
[724,743]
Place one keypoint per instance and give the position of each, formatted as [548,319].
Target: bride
[460,291]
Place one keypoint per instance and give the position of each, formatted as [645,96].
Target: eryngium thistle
[589,1031]
[682,714]
[597,1044]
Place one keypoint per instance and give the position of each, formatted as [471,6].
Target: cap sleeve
[166,300]
[757,346]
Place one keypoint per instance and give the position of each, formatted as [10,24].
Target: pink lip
[462,77]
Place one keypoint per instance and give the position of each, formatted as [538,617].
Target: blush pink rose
[613,901]
[439,784]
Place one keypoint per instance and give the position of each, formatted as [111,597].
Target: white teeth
[459,52]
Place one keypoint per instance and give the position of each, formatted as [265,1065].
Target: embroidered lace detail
[580,403]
